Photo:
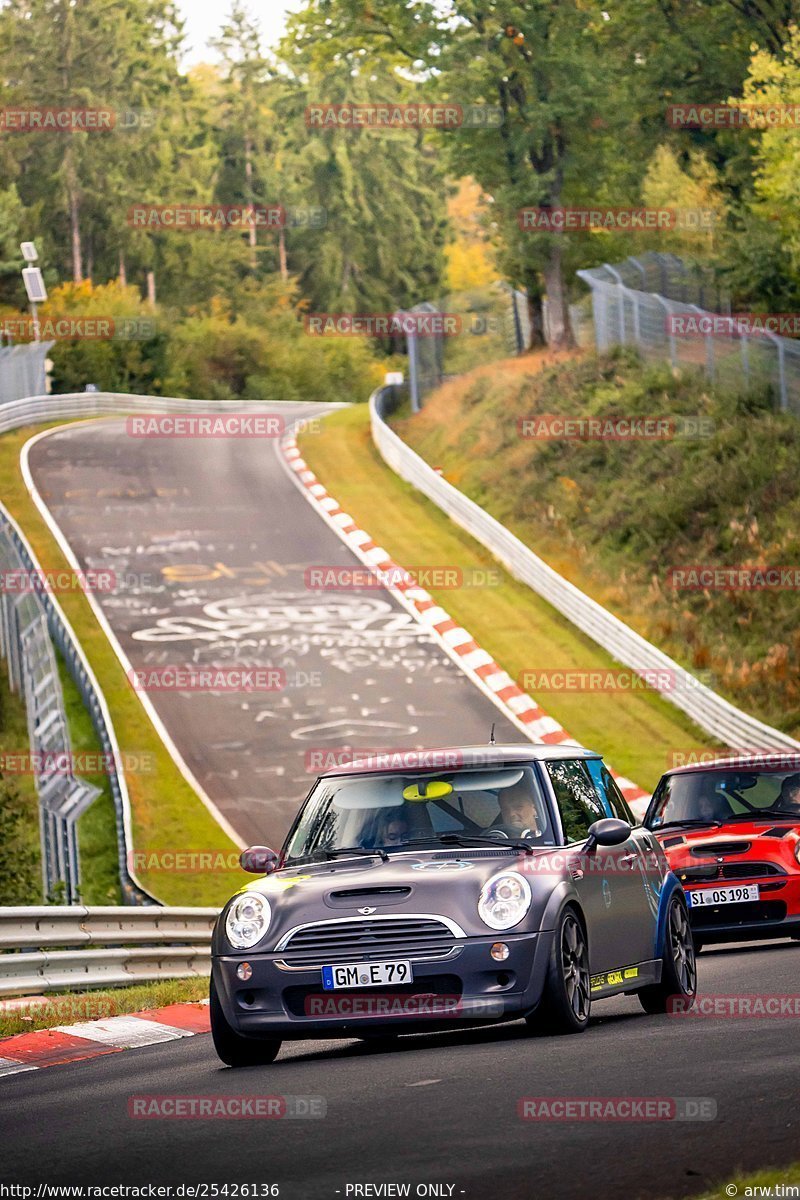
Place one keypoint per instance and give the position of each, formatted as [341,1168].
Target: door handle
[629,859]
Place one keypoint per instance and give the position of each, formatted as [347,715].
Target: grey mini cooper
[434,889]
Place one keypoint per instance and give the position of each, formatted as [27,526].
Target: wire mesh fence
[736,352]
[23,370]
[475,327]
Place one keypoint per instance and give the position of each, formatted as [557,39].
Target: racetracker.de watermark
[729,116]
[736,1007]
[617,1108]
[557,427]
[37,119]
[207,216]
[402,1005]
[755,758]
[743,578]
[326,758]
[381,325]
[180,860]
[598,679]
[71,328]
[737,325]
[386,115]
[334,578]
[178,677]
[202,425]
[533,219]
[75,762]
[226,1108]
[21,582]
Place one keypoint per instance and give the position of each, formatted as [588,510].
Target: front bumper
[466,987]
[775,914]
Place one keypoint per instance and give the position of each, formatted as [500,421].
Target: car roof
[452,758]
[744,762]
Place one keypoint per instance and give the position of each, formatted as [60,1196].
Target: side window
[577,797]
[611,797]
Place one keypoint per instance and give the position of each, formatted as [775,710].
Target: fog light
[500,952]
[244,971]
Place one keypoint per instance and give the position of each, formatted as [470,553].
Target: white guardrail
[51,948]
[714,714]
[34,410]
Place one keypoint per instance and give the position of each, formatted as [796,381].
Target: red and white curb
[458,643]
[110,1035]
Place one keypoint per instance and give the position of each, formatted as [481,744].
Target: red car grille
[738,870]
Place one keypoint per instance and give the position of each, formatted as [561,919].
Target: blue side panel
[671,885]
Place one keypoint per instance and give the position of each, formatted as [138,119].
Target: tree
[101,55]
[246,142]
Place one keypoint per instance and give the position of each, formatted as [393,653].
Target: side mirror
[610,831]
[258,860]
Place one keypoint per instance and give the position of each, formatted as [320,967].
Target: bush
[19,868]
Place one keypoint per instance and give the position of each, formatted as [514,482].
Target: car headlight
[247,920]
[504,900]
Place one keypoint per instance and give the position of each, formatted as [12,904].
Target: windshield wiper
[781,812]
[687,821]
[469,839]
[337,850]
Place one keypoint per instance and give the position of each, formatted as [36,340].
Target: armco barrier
[116,947]
[709,710]
[39,409]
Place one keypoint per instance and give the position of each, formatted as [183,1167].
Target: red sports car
[731,833]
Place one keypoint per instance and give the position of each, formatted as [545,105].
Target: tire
[679,970]
[232,1048]
[567,999]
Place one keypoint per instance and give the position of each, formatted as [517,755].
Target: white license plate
[358,975]
[723,895]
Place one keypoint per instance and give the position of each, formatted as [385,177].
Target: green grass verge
[68,1008]
[617,516]
[20,848]
[97,827]
[166,813]
[636,732]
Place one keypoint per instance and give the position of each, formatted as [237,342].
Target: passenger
[789,796]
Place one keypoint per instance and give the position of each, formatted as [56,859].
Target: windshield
[717,797]
[393,812]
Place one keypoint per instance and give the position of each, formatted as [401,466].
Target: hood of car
[444,883]
[737,842]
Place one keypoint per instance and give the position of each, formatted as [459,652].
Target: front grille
[740,870]
[712,848]
[752,912]
[366,938]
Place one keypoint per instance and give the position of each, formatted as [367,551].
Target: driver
[710,806]
[789,797]
[519,816]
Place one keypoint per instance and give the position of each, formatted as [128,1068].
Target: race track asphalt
[209,542]
[439,1108]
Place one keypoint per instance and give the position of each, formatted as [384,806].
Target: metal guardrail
[36,410]
[33,672]
[709,710]
[116,946]
[60,859]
